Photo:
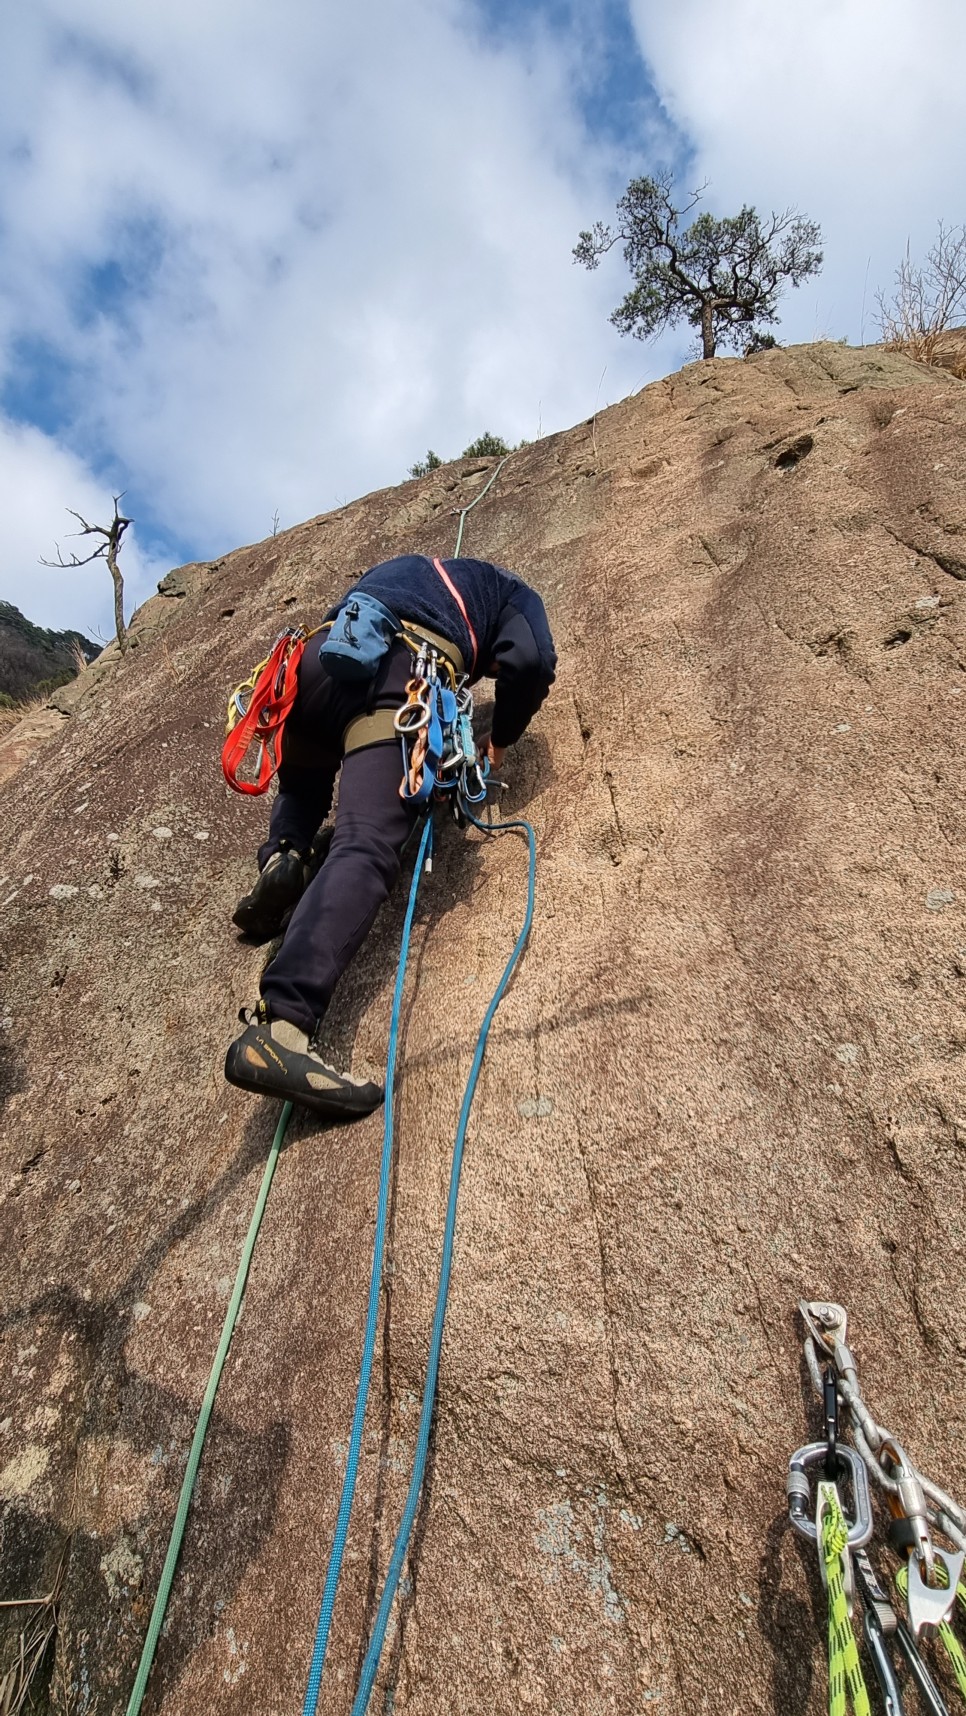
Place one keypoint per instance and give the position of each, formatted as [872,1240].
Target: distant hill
[34,659]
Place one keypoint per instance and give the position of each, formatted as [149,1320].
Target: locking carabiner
[807,1519]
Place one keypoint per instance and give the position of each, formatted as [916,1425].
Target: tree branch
[106,550]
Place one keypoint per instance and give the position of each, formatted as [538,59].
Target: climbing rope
[370,1665]
[159,1610]
[845,1682]
[194,1456]
[372,1309]
[374,1651]
[485,490]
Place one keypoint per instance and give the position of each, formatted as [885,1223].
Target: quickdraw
[435,727]
[928,1580]
[256,713]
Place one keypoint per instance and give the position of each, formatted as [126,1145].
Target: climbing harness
[435,727]
[356,640]
[257,710]
[929,1580]
[256,713]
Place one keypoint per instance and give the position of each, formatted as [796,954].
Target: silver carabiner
[799,1491]
[931,1605]
[912,1501]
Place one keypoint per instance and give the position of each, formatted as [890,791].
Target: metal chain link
[883,1454]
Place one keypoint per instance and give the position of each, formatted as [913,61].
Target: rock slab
[729,1073]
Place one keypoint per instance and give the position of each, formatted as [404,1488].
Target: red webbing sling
[451,587]
[272,695]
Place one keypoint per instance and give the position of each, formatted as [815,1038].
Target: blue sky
[258,259]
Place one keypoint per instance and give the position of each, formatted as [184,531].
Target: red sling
[261,719]
[457,598]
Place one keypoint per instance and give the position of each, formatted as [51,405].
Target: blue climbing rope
[370,1665]
[372,1311]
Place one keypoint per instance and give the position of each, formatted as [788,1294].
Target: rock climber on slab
[480,621]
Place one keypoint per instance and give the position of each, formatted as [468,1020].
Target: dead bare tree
[929,298]
[107,550]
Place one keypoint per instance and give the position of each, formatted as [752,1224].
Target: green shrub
[423,467]
[486,446]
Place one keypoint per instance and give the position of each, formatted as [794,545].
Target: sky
[258,258]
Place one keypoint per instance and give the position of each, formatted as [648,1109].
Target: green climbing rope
[194,1457]
[484,490]
[844,1669]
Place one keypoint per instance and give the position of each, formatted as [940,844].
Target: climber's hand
[494,753]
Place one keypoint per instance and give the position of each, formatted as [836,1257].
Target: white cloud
[266,256]
[38,479]
[349,231]
[851,109]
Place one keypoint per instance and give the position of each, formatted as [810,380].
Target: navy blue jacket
[509,619]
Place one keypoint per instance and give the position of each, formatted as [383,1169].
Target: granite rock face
[728,1074]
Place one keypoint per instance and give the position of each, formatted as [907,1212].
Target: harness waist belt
[443,646]
[375,729]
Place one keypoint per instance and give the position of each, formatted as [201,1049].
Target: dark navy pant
[372,826]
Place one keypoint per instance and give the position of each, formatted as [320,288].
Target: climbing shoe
[272,1057]
[266,911]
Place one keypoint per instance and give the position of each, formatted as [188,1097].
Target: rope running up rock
[172,1555]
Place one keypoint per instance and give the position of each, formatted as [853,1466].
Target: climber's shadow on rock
[110,1580]
[784,1616]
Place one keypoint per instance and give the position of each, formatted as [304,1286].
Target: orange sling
[259,716]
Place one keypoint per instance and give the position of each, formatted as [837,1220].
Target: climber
[327,887]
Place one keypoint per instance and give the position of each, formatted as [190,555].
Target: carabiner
[411,718]
[931,1605]
[799,1492]
[929,1692]
[911,1526]
[415,712]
